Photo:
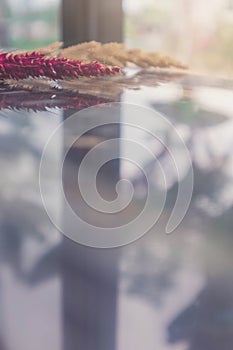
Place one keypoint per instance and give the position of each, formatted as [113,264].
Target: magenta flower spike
[36,64]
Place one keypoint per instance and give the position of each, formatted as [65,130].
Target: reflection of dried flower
[40,101]
[98,86]
[36,64]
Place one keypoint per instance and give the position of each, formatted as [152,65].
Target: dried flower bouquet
[73,66]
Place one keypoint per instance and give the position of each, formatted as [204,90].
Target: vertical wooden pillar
[86,20]
[90,275]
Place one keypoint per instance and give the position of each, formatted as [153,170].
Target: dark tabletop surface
[161,292]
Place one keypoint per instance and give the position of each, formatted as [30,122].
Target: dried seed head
[36,64]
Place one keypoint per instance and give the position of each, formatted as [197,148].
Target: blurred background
[197,32]
[29,24]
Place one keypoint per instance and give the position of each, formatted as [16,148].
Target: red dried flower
[36,64]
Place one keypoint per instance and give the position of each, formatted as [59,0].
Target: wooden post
[90,275]
[86,20]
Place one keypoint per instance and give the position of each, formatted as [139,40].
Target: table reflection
[162,291]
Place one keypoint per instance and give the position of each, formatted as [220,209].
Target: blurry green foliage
[30,28]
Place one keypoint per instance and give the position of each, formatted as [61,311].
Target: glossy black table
[162,291]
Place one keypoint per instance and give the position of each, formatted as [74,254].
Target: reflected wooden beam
[89,275]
